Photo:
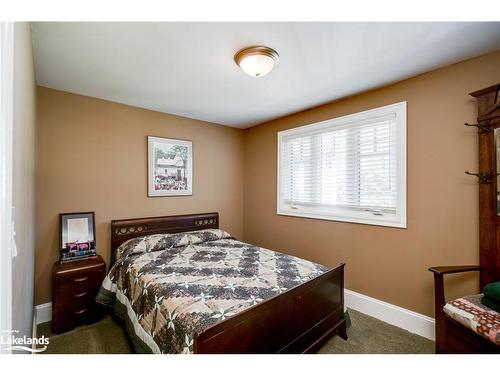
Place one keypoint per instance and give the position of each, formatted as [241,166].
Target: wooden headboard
[123,230]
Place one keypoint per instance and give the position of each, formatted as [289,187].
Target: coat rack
[487,113]
[483,177]
[488,120]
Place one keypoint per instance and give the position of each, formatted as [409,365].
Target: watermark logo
[10,342]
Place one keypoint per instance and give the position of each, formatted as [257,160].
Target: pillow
[163,241]
[205,235]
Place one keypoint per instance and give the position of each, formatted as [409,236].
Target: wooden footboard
[297,321]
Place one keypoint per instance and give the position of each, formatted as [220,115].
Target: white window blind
[349,169]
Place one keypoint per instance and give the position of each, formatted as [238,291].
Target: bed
[182,285]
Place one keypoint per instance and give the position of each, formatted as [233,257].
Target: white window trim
[400,219]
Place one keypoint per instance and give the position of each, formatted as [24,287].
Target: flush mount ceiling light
[257,61]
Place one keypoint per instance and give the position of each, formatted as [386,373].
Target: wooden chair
[452,333]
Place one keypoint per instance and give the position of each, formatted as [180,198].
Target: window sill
[389,222]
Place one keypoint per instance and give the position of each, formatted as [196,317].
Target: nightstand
[74,287]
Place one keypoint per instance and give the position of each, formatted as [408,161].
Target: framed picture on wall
[170,167]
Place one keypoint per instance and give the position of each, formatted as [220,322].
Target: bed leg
[343,330]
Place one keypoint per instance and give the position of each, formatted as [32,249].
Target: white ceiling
[188,69]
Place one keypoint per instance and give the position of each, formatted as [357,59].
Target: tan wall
[387,263]
[92,157]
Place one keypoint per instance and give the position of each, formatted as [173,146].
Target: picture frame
[77,235]
[170,167]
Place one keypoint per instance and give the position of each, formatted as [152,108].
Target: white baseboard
[397,316]
[43,313]
[419,324]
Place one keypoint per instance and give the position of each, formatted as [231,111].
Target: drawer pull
[80,279]
[79,295]
[80,312]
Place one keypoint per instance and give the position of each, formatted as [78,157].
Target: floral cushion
[469,312]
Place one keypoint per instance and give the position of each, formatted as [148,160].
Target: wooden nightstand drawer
[83,298]
[81,276]
[81,282]
[67,295]
[81,315]
[75,286]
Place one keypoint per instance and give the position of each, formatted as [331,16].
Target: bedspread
[167,287]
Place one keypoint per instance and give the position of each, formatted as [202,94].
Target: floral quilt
[167,287]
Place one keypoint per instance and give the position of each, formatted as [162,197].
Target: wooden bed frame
[297,321]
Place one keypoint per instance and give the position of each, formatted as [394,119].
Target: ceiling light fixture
[257,61]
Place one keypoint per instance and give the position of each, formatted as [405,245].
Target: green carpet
[106,337]
[367,335]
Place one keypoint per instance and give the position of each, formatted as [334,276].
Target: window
[351,168]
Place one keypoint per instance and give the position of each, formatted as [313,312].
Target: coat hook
[482,128]
[483,177]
